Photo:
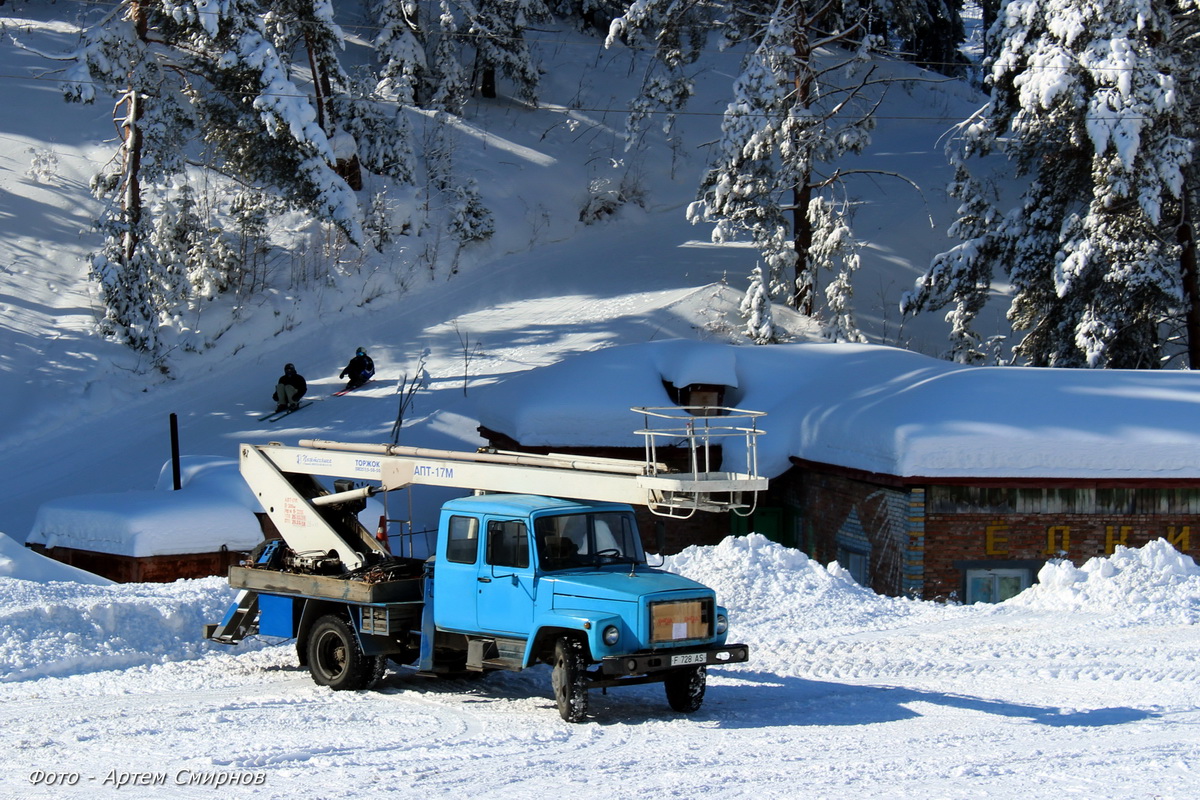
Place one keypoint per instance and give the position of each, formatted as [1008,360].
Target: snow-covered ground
[1087,685]
[1084,686]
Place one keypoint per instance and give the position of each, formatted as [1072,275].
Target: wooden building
[156,535]
[921,477]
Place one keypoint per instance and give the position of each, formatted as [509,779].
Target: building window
[996,585]
[857,564]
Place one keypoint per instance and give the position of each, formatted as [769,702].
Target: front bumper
[660,660]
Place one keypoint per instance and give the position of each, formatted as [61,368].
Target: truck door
[506,579]
[456,584]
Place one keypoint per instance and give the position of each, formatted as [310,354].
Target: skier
[290,388]
[359,370]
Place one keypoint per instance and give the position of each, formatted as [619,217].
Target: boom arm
[276,475]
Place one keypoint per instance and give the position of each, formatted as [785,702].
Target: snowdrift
[1153,581]
[779,600]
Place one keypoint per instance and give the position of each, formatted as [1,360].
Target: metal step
[240,620]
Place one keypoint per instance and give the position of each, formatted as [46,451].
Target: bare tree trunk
[348,169]
[804,286]
[487,83]
[1191,284]
[131,199]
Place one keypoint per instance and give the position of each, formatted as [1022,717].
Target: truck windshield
[587,540]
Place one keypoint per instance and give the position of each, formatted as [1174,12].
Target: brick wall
[838,512]
[952,538]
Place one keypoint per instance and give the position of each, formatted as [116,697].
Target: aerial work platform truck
[542,564]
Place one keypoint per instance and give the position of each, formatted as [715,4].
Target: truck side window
[507,544]
[462,540]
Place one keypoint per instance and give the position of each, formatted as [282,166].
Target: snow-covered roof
[214,509]
[875,408]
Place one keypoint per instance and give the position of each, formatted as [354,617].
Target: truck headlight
[722,624]
[611,635]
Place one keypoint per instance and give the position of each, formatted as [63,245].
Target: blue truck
[516,579]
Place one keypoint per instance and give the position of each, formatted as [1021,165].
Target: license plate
[689,658]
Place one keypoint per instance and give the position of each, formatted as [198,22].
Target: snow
[16,561]
[1087,685]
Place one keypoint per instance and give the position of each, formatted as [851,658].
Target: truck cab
[520,578]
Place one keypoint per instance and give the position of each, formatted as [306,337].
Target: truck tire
[335,658]
[685,688]
[569,679]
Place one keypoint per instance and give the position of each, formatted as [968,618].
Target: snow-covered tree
[345,110]
[675,33]
[1091,108]
[403,70]
[962,276]
[497,31]
[260,124]
[793,113]
[756,309]
[835,251]
[470,219]
[437,56]
[589,15]
[926,32]
[186,72]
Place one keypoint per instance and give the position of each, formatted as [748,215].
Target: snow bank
[62,628]
[769,589]
[17,561]
[1133,583]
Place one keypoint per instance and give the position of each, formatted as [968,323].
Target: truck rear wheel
[335,658]
[569,679]
[685,688]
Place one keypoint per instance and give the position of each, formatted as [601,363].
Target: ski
[347,391]
[278,415]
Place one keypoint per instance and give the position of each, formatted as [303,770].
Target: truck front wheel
[569,679]
[685,688]
[336,659]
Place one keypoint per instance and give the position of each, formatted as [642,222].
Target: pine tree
[835,250]
[963,274]
[589,15]
[787,121]
[925,32]
[261,125]
[403,73]
[497,28]
[756,309]
[1089,105]
[186,72]
[675,34]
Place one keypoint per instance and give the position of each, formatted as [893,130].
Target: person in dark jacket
[360,369]
[290,388]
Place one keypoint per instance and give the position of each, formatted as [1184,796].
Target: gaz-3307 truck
[543,564]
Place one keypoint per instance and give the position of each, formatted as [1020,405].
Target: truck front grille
[680,620]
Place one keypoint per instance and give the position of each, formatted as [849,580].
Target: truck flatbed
[323,586]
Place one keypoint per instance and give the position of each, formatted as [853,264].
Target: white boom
[298,518]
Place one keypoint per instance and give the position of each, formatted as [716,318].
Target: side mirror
[660,535]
